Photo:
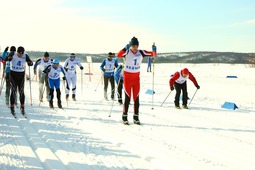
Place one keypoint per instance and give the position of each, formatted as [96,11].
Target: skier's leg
[105,86]
[120,86]
[74,78]
[8,88]
[112,87]
[177,95]
[41,83]
[47,87]
[184,94]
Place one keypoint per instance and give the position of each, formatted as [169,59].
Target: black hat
[21,50]
[134,41]
[110,54]
[72,55]
[13,48]
[46,54]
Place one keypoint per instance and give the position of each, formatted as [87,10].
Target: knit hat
[134,41]
[46,54]
[13,48]
[185,71]
[72,55]
[21,50]
[110,54]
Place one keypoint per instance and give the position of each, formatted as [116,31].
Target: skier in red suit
[178,81]
[131,74]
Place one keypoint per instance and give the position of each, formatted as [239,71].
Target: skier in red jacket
[178,81]
[131,74]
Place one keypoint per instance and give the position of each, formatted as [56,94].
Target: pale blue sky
[101,26]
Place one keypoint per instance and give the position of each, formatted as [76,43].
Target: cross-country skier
[108,65]
[17,76]
[43,63]
[131,74]
[118,77]
[70,67]
[53,71]
[6,69]
[179,83]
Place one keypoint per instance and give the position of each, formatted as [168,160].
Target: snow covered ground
[82,136]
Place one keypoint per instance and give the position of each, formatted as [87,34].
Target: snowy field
[82,136]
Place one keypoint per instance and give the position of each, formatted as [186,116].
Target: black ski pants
[106,80]
[181,87]
[17,80]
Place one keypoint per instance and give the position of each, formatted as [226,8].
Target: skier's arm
[116,63]
[193,79]
[37,63]
[47,69]
[63,70]
[9,57]
[29,61]
[102,65]
[146,53]
[173,79]
[79,64]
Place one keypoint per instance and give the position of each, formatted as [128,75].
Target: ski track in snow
[82,136]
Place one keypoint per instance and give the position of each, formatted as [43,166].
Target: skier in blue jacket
[108,65]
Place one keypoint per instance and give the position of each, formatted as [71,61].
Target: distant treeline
[177,57]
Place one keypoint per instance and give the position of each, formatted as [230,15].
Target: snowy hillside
[82,136]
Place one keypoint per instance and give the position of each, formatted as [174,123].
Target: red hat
[185,71]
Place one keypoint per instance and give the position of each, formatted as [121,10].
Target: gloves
[29,63]
[120,66]
[9,58]
[103,70]
[6,49]
[35,72]
[64,78]
[198,87]
[81,67]
[127,47]
[171,88]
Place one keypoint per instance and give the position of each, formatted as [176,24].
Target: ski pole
[30,87]
[2,85]
[153,49]
[82,82]
[193,96]
[166,98]
[99,82]
[116,89]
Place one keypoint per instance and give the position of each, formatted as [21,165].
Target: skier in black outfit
[17,76]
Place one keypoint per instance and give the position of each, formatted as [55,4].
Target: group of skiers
[126,76]
[130,77]
[49,76]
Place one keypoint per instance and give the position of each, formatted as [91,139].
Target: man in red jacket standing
[179,82]
[131,75]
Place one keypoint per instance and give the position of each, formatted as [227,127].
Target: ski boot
[120,102]
[13,111]
[136,119]
[185,106]
[124,119]
[59,104]
[22,110]
[51,104]
[177,107]
[73,97]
